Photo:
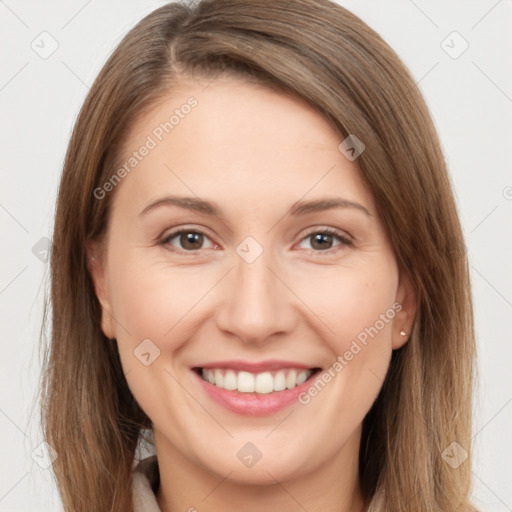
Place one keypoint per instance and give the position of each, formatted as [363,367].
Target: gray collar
[146,480]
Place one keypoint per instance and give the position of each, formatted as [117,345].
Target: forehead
[237,140]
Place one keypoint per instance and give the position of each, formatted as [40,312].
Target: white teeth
[230,381]
[246,382]
[291,379]
[263,383]
[302,377]
[280,381]
[219,378]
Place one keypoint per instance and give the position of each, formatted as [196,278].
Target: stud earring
[403,333]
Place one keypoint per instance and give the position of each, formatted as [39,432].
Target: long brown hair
[327,56]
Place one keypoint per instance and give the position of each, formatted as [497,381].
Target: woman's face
[243,248]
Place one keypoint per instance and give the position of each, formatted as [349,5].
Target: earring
[403,333]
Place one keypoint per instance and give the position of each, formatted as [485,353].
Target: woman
[257,257]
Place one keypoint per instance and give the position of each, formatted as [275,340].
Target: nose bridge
[256,304]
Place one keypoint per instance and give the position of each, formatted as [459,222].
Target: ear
[96,263]
[404,319]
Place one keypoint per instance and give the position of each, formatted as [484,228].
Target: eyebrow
[298,208]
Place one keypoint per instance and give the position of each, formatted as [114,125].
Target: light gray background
[470,98]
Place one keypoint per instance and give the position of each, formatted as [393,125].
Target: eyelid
[327,229]
[174,230]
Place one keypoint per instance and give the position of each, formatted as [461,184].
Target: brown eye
[191,241]
[187,241]
[326,240]
[321,241]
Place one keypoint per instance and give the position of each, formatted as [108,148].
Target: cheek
[153,307]
[359,308]
[154,301]
[354,304]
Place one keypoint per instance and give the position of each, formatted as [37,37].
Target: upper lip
[253,367]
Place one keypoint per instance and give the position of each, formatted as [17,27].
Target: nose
[256,304]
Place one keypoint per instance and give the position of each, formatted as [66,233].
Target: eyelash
[344,240]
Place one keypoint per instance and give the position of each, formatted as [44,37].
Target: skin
[254,152]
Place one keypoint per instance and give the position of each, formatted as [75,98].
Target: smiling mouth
[261,383]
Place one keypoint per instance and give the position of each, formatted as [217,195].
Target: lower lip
[253,404]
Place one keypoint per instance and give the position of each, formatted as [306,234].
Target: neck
[332,487]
